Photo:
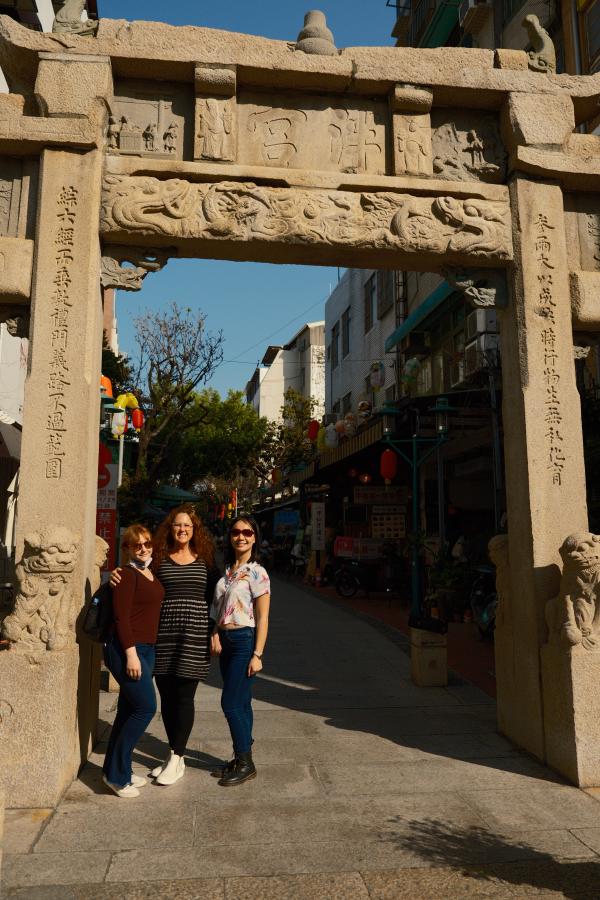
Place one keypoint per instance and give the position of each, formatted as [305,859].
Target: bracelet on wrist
[258,655]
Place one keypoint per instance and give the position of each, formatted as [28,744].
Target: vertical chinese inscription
[553,417]
[60,307]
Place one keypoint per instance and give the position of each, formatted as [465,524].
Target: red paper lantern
[137,419]
[388,465]
[313,430]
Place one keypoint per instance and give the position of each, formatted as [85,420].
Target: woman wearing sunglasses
[241,612]
[129,655]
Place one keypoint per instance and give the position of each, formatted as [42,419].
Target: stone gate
[139,142]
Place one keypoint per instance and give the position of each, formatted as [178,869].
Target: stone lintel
[16,266]
[576,168]
[74,57]
[201,171]
[511,59]
[585,300]
[527,121]
[408,98]
[215,80]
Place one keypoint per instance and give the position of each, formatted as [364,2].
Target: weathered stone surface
[1,826]
[71,86]
[510,59]
[16,266]
[585,300]
[529,122]
[38,713]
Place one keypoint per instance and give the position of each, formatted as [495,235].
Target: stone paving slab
[70,867]
[539,806]
[23,827]
[298,887]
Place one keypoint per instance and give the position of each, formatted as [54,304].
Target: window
[370,297]
[346,403]
[346,333]
[335,345]
[385,293]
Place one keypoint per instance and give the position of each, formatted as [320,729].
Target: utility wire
[273,333]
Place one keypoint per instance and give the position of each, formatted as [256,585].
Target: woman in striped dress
[183,561]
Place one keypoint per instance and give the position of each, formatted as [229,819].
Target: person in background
[129,655]
[241,613]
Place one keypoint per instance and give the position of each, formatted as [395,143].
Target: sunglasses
[143,545]
[236,532]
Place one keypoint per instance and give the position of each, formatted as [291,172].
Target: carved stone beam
[215,121]
[78,86]
[295,224]
[482,287]
[141,261]
[411,129]
[527,122]
[16,266]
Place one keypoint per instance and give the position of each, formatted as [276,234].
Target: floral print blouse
[235,593]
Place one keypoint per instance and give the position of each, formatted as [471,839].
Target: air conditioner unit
[481,321]
[478,352]
[473,14]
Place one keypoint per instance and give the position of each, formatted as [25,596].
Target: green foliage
[286,444]
[116,367]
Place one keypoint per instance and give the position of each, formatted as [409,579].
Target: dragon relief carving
[44,613]
[244,211]
[573,617]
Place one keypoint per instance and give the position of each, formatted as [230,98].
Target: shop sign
[317,521]
[385,496]
[285,522]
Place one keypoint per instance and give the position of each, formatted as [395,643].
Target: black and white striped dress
[182,645]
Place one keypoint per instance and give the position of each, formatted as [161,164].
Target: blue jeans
[135,709]
[236,700]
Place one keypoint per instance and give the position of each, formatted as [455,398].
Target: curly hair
[201,542]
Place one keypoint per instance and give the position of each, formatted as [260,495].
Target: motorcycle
[483,600]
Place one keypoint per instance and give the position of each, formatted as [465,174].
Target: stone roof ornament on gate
[68,19]
[542,56]
[316,38]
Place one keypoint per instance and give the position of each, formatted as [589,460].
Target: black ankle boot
[223,770]
[243,770]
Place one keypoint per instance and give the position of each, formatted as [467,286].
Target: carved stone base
[40,741]
[570,681]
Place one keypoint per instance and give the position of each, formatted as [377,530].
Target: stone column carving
[411,128]
[573,615]
[215,135]
[482,287]
[45,608]
[129,278]
[68,19]
[545,476]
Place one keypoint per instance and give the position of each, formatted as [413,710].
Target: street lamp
[415,460]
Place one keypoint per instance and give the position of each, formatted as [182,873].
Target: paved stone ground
[368,787]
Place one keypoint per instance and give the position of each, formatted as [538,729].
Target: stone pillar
[545,475]
[41,745]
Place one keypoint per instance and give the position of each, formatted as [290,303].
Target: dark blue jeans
[135,709]
[236,700]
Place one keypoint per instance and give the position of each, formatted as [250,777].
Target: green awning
[418,315]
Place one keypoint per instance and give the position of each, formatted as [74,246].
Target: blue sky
[254,304]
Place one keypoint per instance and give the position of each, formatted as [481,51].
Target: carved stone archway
[144,141]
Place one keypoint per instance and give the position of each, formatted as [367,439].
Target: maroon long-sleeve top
[136,607]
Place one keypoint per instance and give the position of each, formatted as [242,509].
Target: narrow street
[368,787]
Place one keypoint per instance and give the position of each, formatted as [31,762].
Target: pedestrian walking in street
[183,562]
[129,655]
[241,613]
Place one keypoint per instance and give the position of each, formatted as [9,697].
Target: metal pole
[416,585]
[441,499]
[120,469]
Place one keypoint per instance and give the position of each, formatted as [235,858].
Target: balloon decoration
[321,438]
[137,419]
[364,410]
[118,423]
[127,401]
[349,424]
[106,388]
[313,430]
[411,369]
[388,465]
[340,427]
[331,436]
[377,375]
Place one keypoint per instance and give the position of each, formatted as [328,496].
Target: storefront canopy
[10,436]
[417,316]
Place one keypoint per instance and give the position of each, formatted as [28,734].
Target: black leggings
[177,708]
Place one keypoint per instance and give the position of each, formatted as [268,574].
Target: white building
[299,364]
[360,313]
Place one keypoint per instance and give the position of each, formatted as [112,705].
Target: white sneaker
[138,781]
[173,771]
[160,767]
[127,791]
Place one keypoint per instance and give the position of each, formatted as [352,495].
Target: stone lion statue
[68,19]
[573,617]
